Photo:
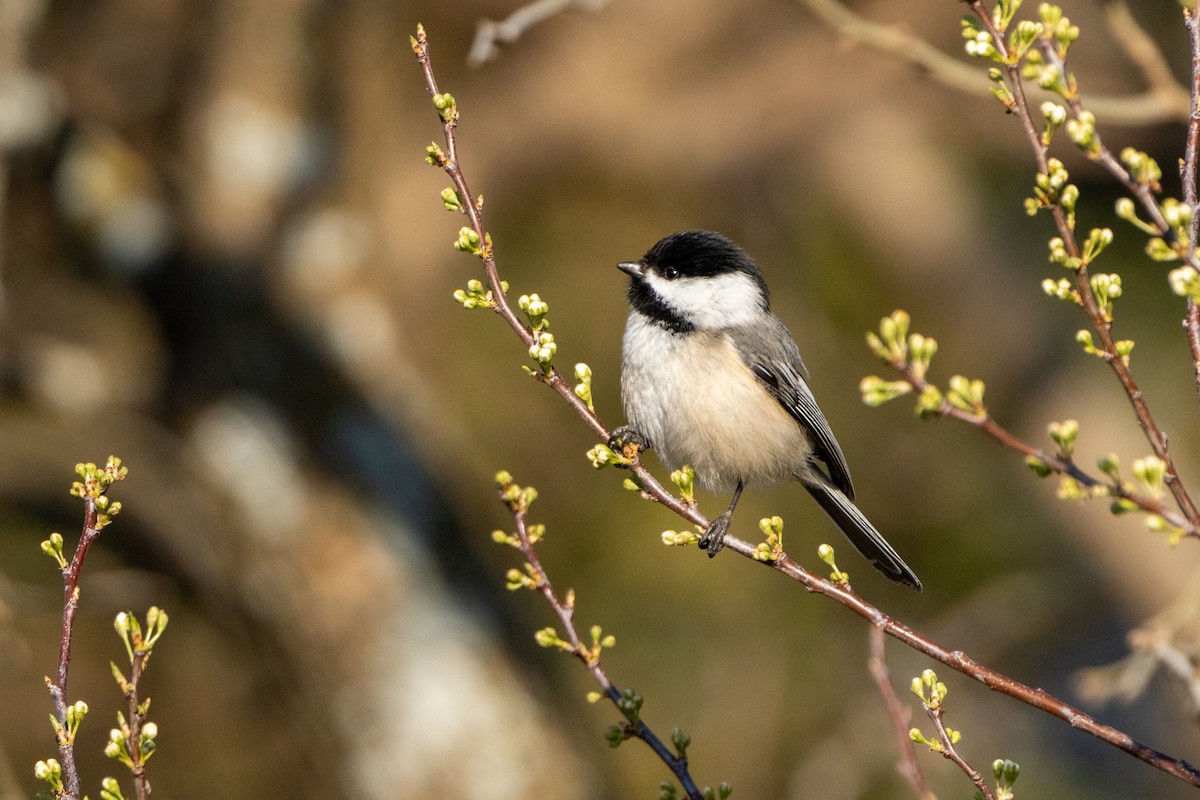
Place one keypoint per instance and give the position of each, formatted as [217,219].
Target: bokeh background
[223,259]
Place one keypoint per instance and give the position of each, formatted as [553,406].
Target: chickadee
[711,378]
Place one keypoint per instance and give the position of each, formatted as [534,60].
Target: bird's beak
[633,269]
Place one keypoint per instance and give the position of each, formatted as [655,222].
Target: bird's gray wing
[773,357]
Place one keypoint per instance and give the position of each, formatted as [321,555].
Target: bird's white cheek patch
[713,302]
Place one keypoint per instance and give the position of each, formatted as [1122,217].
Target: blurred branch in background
[1164,100]
[489,34]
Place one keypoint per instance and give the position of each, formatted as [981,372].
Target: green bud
[876,391]
[1151,471]
[1064,435]
[446,106]
[929,404]
[435,156]
[1185,282]
[1110,467]
[451,200]
[679,538]
[1039,467]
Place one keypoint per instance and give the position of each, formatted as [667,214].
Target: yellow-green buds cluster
[892,343]
[825,553]
[684,479]
[517,498]
[476,296]
[548,637]
[118,742]
[435,156]
[1157,524]
[1082,131]
[772,548]
[530,578]
[1054,115]
[53,547]
[1185,282]
[1150,471]
[1142,168]
[1051,188]
[876,391]
[1064,435]
[1106,288]
[468,241]
[75,714]
[542,351]
[452,200]
[929,690]
[535,309]
[679,538]
[130,631]
[583,389]
[94,482]
[979,41]
[600,641]
[966,395]
[1126,209]
[50,771]
[934,744]
[1093,246]
[535,531]
[110,790]
[601,456]
[1006,773]
[1178,217]
[1056,27]
[447,108]
[1062,288]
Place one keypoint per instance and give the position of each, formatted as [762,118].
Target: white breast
[697,403]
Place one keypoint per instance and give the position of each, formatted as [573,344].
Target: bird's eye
[670,273]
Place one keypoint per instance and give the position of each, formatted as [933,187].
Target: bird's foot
[627,442]
[714,537]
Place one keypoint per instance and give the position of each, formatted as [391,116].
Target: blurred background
[223,259]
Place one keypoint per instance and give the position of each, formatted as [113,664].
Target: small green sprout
[684,479]
[53,547]
[583,389]
[447,108]
[476,295]
[966,395]
[1082,131]
[772,548]
[876,391]
[825,553]
[110,790]
[679,538]
[1064,435]
[548,637]
[601,456]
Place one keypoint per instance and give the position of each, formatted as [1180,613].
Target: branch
[908,767]
[1164,101]
[1064,223]
[628,703]
[489,34]
[956,659]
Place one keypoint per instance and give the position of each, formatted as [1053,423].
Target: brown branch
[955,659]
[908,767]
[564,609]
[1164,101]
[947,750]
[489,34]
[1101,323]
[137,719]
[58,687]
[1057,463]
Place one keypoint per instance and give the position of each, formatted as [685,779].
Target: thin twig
[955,659]
[58,687]
[489,34]
[901,716]
[948,751]
[136,720]
[564,608]
[1162,102]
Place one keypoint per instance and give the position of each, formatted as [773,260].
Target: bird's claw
[627,442]
[714,536]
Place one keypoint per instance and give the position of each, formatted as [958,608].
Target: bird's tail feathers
[862,533]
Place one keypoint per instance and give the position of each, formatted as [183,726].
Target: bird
[711,378]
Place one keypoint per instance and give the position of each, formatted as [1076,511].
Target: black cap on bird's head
[692,278]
